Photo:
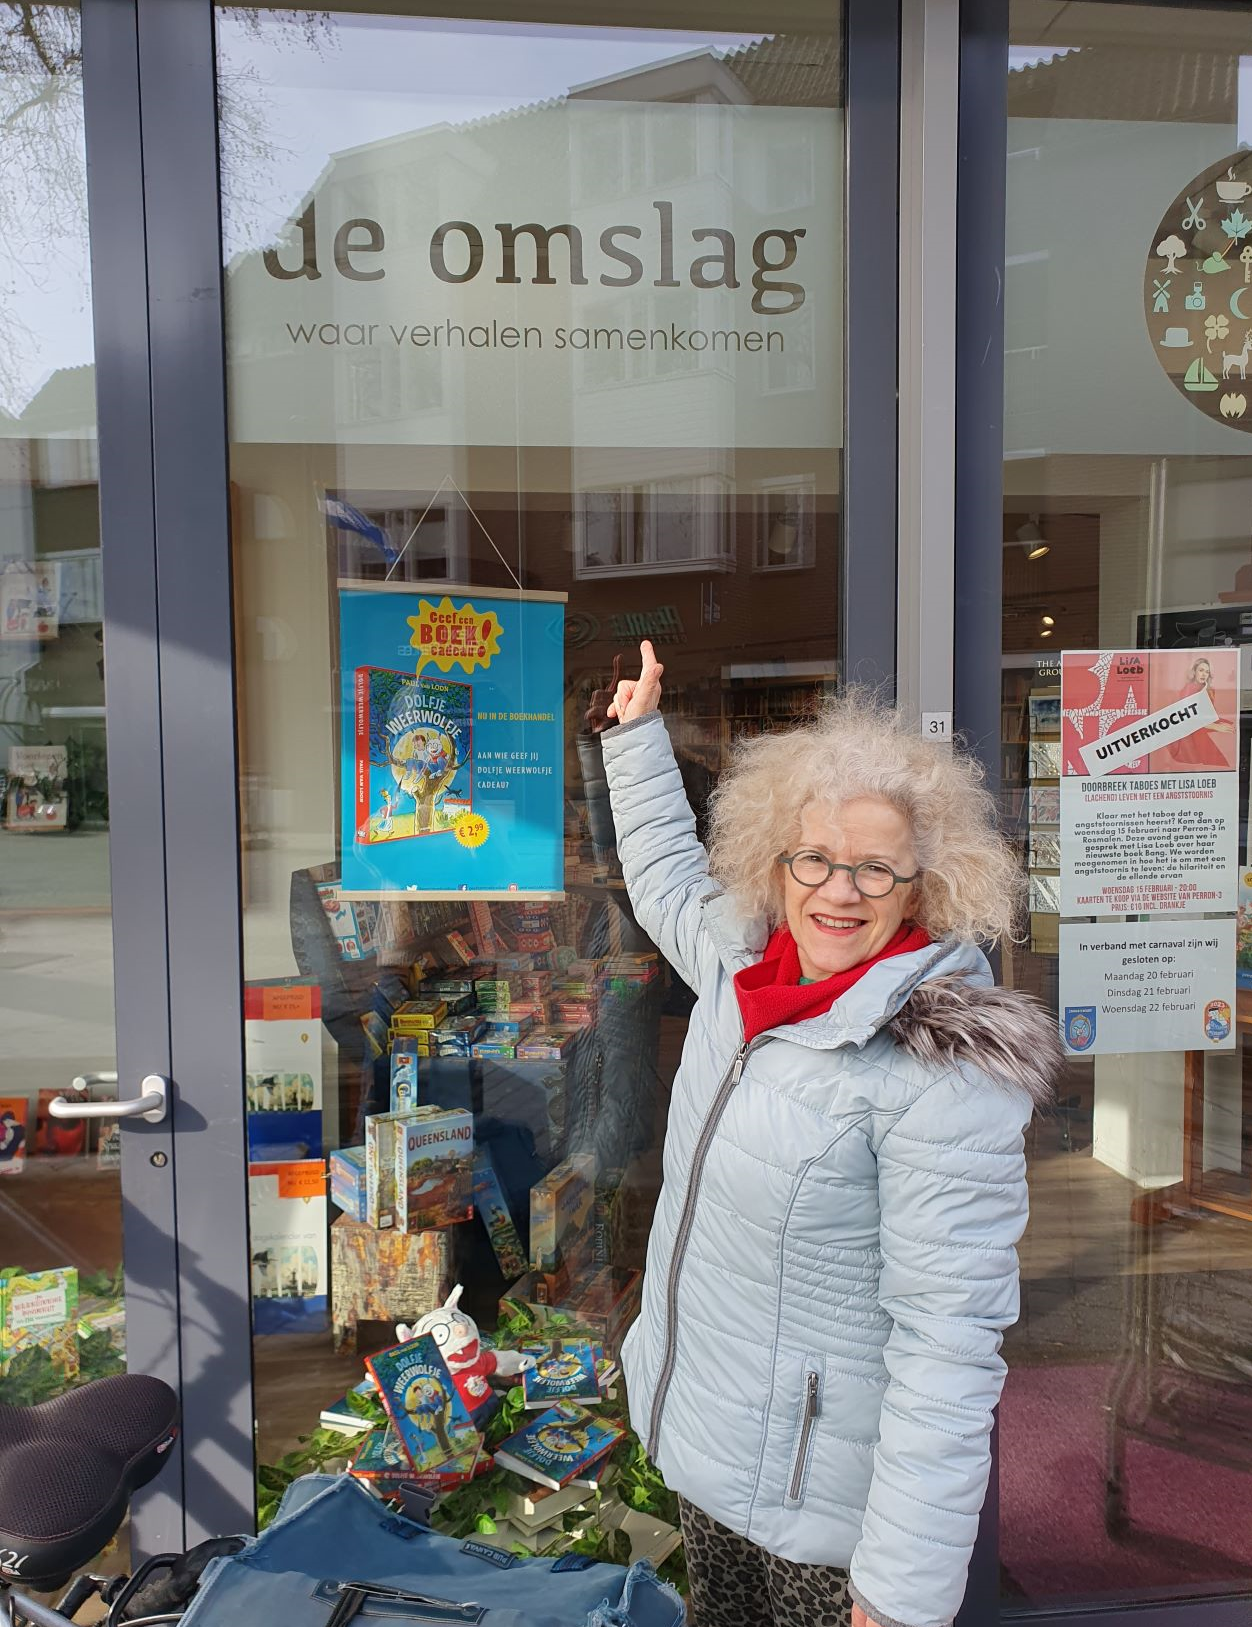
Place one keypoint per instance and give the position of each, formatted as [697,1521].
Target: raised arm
[664,865]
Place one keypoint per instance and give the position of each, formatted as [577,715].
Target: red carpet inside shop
[1190,1520]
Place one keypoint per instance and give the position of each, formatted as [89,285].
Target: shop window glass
[484,373]
[62,1310]
[1125,1456]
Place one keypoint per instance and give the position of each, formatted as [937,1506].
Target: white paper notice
[1147,986]
[1149,843]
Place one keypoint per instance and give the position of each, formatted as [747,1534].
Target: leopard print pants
[736,1584]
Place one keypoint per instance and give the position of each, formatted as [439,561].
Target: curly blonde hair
[856,746]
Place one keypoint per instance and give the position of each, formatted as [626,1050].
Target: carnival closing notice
[1149,782]
[1134,986]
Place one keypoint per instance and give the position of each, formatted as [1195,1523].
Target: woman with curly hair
[832,1262]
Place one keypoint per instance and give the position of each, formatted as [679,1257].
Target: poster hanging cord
[443,486]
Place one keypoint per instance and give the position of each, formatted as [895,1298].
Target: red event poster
[1149,781]
[1182,704]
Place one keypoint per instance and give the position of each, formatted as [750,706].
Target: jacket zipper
[812,1407]
[683,1234]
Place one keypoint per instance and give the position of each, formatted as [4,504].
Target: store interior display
[450,1061]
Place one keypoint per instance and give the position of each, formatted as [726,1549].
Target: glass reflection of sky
[375,77]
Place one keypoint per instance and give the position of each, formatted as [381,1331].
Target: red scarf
[770,993]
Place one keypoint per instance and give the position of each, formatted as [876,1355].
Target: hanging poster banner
[1147,986]
[1149,781]
[452,769]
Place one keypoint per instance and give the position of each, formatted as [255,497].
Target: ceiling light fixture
[1046,633]
[1031,539]
[1049,621]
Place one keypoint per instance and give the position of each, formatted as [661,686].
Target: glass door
[1125,1452]
[86,1240]
[535,352]
[61,1304]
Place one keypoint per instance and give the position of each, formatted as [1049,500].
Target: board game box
[348,1183]
[419,1168]
[493,1210]
[562,1208]
[435,1170]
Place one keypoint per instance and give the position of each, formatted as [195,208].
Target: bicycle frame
[17,1608]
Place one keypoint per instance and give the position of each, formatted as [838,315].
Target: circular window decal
[1197,291]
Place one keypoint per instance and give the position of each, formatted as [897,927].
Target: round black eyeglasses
[870,878]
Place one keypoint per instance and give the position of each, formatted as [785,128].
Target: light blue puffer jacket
[832,1263]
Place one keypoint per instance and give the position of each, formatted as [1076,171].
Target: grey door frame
[137,855]
[151,138]
[200,762]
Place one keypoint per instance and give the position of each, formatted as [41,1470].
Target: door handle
[151,1105]
[86,1080]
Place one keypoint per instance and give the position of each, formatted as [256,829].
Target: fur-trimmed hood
[1010,1036]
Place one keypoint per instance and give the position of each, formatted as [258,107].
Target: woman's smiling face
[835,928]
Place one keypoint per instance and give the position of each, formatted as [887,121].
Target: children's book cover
[457,1471]
[564,1370]
[452,760]
[423,1403]
[58,1138]
[39,1311]
[381,1457]
[434,1170]
[30,599]
[37,790]
[558,1445]
[14,1116]
[494,1212]
[414,755]
[354,1413]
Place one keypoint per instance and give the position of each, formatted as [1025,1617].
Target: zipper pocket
[808,1422]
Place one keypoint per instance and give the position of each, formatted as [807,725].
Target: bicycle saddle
[68,1468]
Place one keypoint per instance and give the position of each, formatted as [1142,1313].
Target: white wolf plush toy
[470,1365]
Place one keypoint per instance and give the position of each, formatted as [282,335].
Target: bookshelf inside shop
[1030,780]
[704,720]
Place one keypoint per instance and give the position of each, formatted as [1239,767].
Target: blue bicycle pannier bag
[331,1531]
